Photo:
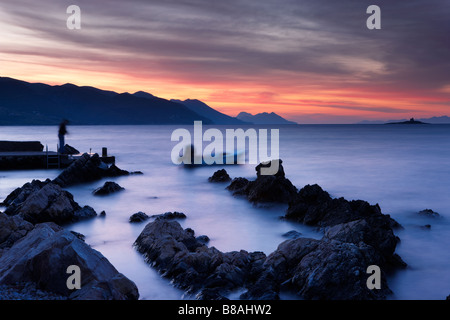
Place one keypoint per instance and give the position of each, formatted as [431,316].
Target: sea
[403,168]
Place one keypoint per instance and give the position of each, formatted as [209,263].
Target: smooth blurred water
[404,169]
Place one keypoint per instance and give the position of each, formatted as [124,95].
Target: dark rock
[47,203]
[220,176]
[210,294]
[70,150]
[102,214]
[266,188]
[426,227]
[313,206]
[43,255]
[12,229]
[190,264]
[108,188]
[19,195]
[268,164]
[238,185]
[292,234]
[138,217]
[86,212]
[202,239]
[170,215]
[334,267]
[78,235]
[86,169]
[429,213]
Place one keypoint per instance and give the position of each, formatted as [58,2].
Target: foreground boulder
[38,202]
[266,188]
[86,169]
[108,188]
[11,230]
[43,255]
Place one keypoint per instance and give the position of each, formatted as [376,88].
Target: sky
[311,61]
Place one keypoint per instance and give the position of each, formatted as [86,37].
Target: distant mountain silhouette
[215,116]
[263,118]
[23,103]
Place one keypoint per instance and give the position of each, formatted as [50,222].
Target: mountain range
[24,103]
[263,118]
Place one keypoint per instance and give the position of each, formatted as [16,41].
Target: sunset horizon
[310,63]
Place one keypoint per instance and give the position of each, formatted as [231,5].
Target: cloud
[290,46]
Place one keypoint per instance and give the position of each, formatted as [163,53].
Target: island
[411,121]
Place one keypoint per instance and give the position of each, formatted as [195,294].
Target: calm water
[404,169]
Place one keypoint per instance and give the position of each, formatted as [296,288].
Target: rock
[333,268]
[313,206]
[238,185]
[426,227]
[43,255]
[102,214]
[220,176]
[202,239]
[49,203]
[12,229]
[292,234]
[86,212]
[86,169]
[337,271]
[429,213]
[266,188]
[78,235]
[138,217]
[19,195]
[170,215]
[70,150]
[190,264]
[108,188]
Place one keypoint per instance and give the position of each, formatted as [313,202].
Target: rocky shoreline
[36,250]
[356,235]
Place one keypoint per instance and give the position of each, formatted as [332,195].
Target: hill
[215,116]
[23,103]
[263,118]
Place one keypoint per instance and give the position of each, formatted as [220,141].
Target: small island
[411,121]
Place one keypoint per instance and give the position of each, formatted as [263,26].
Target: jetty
[22,155]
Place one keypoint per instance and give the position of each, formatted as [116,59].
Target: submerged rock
[429,213]
[107,188]
[220,176]
[43,255]
[170,215]
[138,217]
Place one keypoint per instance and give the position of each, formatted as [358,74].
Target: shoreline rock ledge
[332,268]
[42,255]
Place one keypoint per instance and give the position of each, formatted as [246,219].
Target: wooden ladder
[53,160]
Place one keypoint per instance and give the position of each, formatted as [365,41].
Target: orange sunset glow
[314,65]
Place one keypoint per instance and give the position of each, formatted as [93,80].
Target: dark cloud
[320,42]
